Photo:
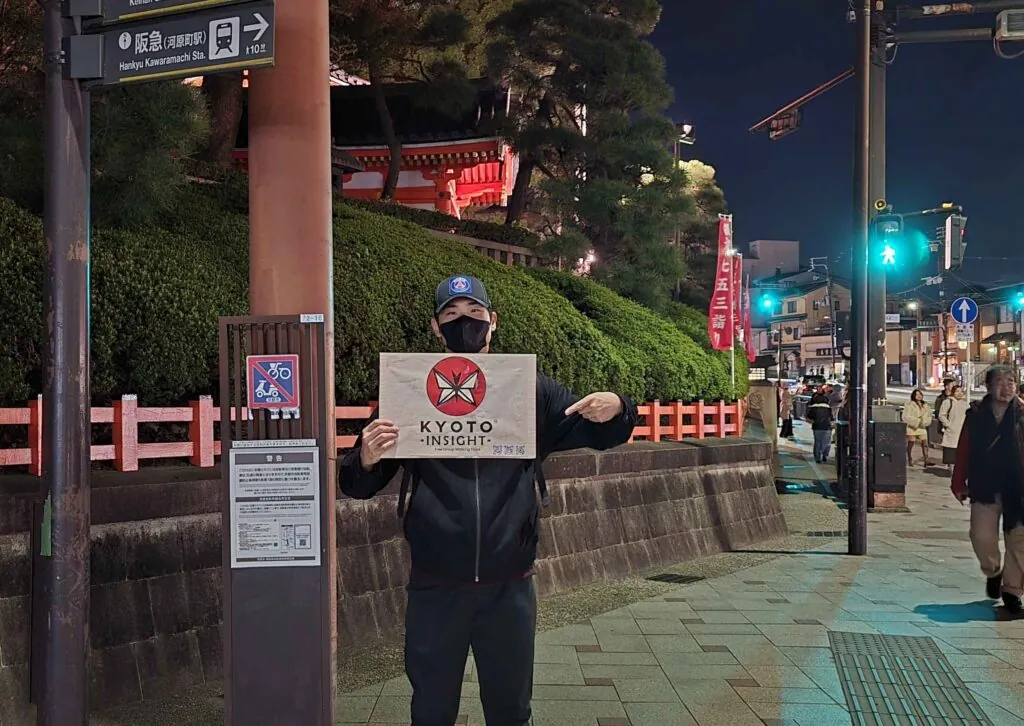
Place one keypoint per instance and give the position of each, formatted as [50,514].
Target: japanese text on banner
[721,323]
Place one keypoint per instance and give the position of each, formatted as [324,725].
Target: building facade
[768,257]
[806,328]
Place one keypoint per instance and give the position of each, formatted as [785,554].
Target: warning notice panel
[275,506]
[449,406]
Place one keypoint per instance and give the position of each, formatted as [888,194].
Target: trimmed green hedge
[446,223]
[675,366]
[157,294]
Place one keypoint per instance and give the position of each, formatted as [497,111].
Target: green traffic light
[1019,302]
[766,303]
[888,255]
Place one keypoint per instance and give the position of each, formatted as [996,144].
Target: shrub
[694,324]
[675,366]
[157,294]
[440,221]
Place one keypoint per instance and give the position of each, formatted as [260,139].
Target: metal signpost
[91,44]
[277,518]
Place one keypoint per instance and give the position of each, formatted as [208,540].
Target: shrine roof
[354,121]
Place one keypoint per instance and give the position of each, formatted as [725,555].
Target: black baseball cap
[460,286]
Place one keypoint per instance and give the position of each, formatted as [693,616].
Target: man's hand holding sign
[470,430]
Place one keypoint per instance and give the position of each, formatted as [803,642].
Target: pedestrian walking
[918,417]
[952,414]
[819,413]
[471,525]
[989,472]
[785,410]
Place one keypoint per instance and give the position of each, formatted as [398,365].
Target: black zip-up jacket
[819,413]
[475,520]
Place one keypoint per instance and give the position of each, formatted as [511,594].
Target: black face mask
[465,334]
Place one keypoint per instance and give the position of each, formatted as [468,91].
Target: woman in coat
[918,417]
[952,413]
[785,410]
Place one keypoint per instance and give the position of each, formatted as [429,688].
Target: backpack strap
[542,482]
[409,481]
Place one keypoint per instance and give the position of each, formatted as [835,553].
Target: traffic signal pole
[877,365]
[858,504]
[63,554]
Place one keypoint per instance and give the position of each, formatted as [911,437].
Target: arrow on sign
[260,27]
[964,310]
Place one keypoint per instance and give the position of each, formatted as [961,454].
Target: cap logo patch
[459,286]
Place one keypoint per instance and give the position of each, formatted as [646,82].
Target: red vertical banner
[737,296]
[748,336]
[721,320]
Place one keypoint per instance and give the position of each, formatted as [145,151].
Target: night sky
[955,129]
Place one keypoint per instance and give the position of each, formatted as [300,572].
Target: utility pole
[67,430]
[858,504]
[877,369]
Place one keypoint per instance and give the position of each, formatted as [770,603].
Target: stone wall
[156,556]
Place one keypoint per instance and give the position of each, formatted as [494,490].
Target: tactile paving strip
[892,680]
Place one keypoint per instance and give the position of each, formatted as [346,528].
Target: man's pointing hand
[597,407]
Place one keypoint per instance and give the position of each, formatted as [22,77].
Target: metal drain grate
[829,533]
[675,579]
[899,679]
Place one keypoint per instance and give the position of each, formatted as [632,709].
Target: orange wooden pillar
[291,250]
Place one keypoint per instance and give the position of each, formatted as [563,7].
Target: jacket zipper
[476,484]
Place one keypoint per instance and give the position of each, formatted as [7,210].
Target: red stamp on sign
[456,386]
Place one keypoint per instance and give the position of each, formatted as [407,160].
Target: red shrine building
[450,162]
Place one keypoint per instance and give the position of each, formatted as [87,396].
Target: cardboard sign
[449,406]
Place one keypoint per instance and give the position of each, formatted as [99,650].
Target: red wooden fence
[201,447]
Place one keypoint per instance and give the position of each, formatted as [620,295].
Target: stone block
[108,556]
[894,501]
[168,664]
[113,677]
[201,543]
[635,526]
[14,705]
[211,652]
[15,630]
[579,496]
[396,558]
[382,522]
[357,573]
[168,596]
[16,565]
[153,548]
[357,623]
[352,529]
[120,613]
[205,593]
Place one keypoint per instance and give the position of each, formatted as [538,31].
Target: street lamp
[685,134]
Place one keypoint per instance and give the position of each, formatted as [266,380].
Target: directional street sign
[272,381]
[120,11]
[193,44]
[964,310]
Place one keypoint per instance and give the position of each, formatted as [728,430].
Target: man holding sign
[471,521]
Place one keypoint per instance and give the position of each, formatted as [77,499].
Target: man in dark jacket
[819,413]
[472,531]
[989,472]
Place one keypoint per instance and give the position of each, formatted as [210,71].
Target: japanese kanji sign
[460,406]
[721,314]
[272,381]
[191,44]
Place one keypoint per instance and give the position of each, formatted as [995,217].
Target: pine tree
[402,41]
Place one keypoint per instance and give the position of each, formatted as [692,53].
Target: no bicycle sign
[272,381]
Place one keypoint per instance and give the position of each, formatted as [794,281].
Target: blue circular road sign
[964,310]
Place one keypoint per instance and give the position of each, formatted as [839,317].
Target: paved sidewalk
[803,639]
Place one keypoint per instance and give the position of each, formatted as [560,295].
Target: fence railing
[201,447]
